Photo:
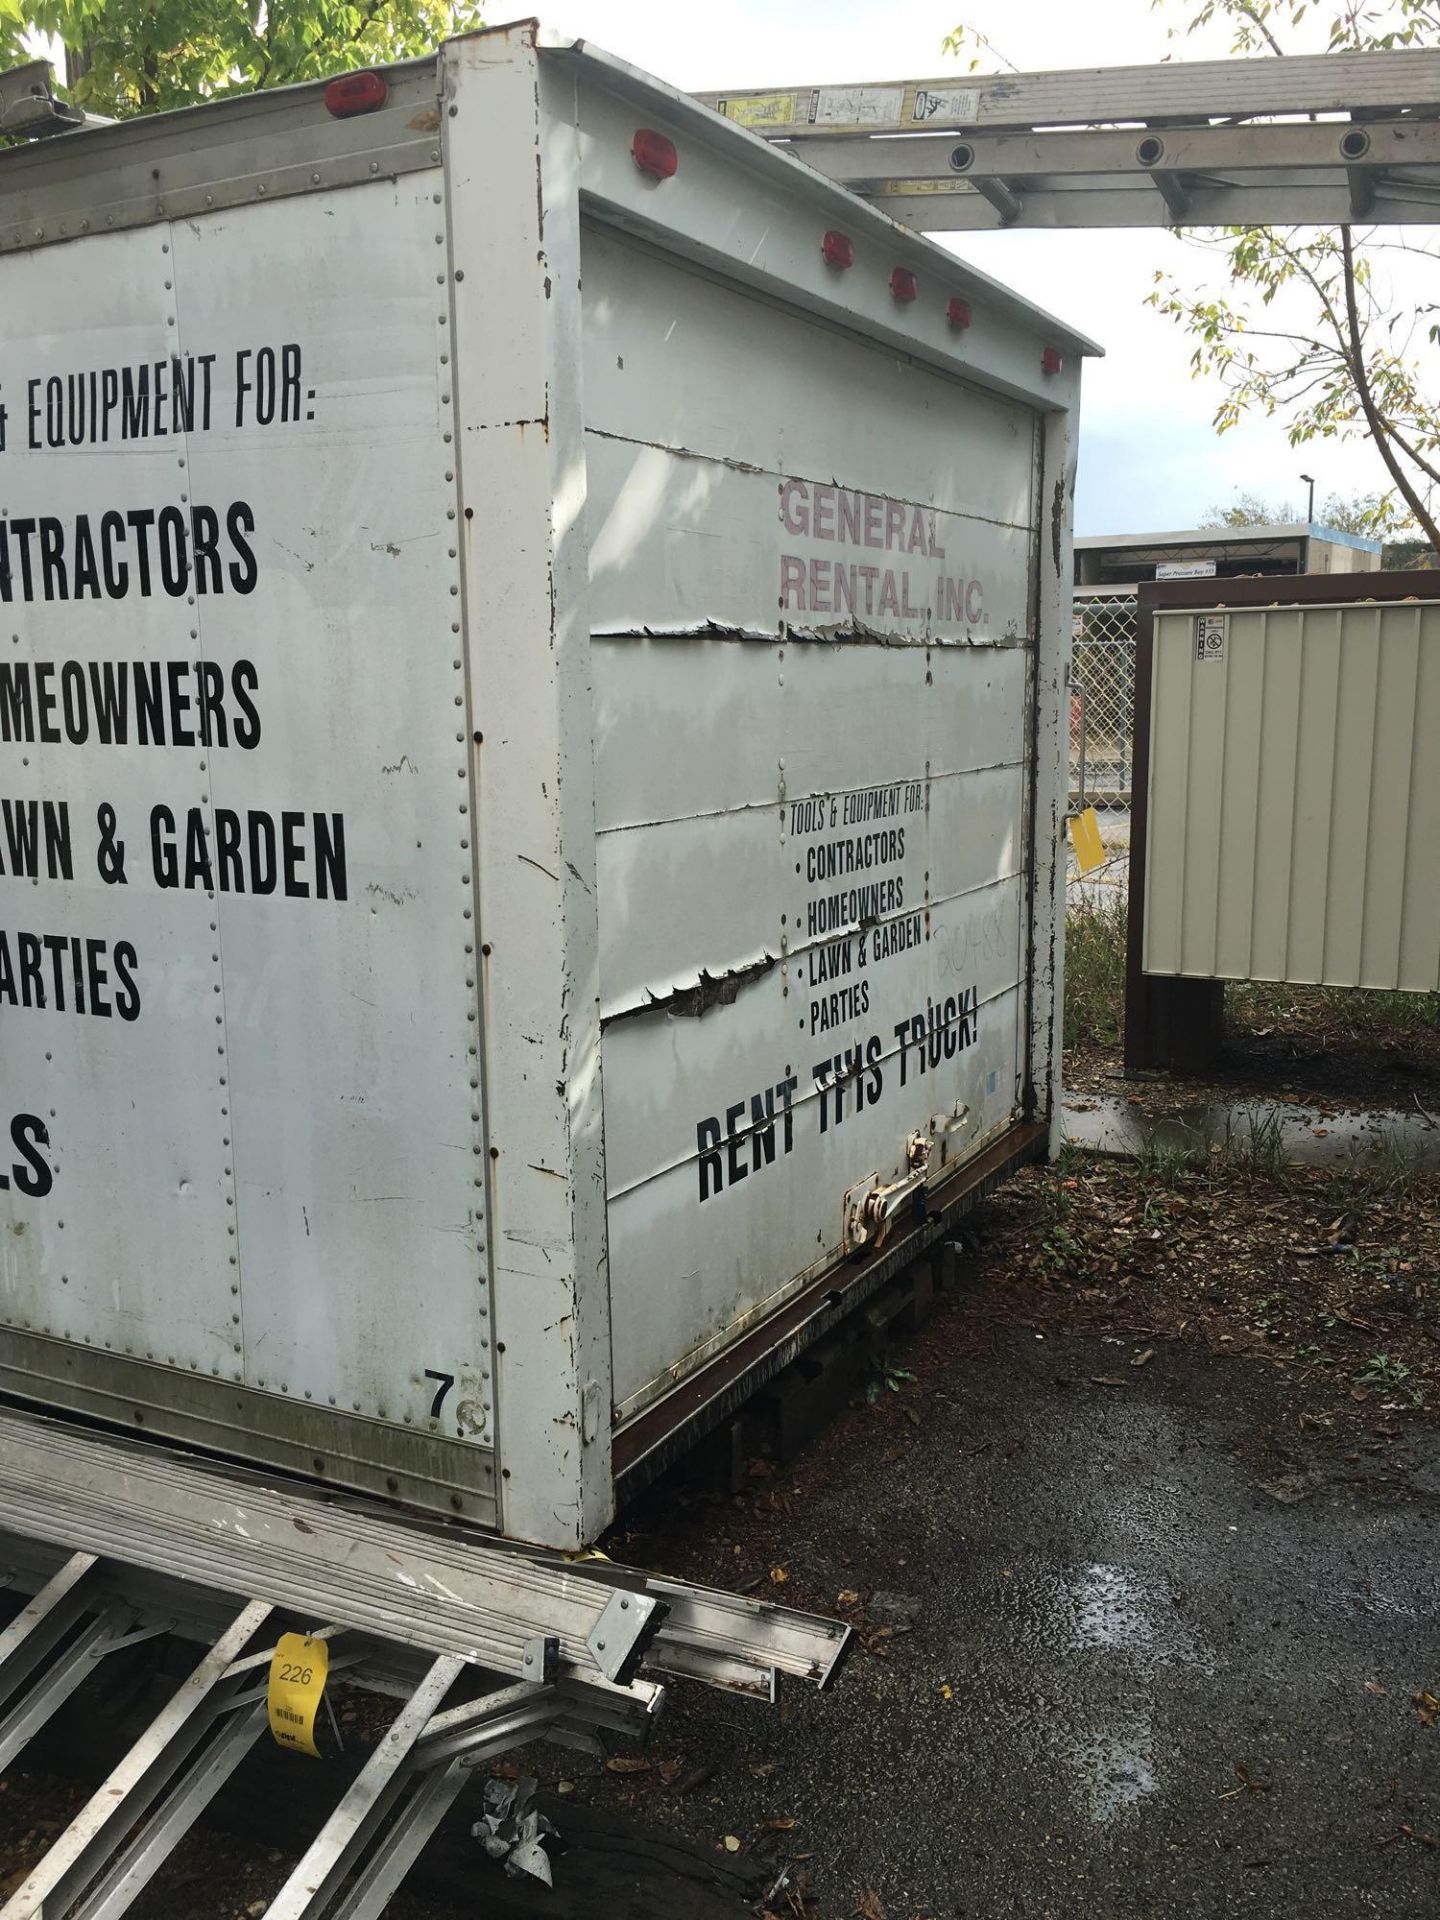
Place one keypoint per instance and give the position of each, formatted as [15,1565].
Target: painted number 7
[446,1380]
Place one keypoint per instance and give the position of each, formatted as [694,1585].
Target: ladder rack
[487,1646]
[1306,140]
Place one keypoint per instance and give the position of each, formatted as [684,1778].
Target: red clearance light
[904,285]
[958,314]
[1052,361]
[355,93]
[838,249]
[654,154]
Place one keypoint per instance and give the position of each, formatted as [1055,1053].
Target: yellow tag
[298,1673]
[1085,838]
[761,110]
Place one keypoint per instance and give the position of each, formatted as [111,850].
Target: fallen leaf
[869,1906]
[779,1575]
[696,1777]
[1427,1707]
[782,1823]
[1374,1686]
[626,1763]
[1143,1359]
[847,1597]
[1247,1779]
[732,1844]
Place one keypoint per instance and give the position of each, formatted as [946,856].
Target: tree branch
[1360,375]
[1257,20]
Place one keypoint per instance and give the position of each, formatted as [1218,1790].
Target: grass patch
[1095,971]
[1361,1013]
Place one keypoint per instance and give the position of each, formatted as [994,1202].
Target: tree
[1311,331]
[141,56]
[1347,513]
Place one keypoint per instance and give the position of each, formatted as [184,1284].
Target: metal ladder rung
[67,1672]
[403,1842]
[135,1784]
[143,1858]
[337,1848]
[40,1626]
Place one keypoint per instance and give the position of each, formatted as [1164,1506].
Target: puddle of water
[1114,1767]
[1105,1123]
[1110,1610]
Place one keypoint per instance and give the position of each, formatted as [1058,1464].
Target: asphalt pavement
[1166,1638]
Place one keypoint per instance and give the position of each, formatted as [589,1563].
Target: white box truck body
[531,694]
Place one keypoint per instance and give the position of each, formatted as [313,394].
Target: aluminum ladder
[486,1645]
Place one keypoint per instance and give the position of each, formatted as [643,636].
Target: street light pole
[1310,510]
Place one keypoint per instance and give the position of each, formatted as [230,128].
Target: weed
[1056,1202]
[1062,1249]
[1095,932]
[1069,1160]
[1167,1162]
[887,1378]
[1390,1169]
[1258,1149]
[1385,1375]
[1264,1308]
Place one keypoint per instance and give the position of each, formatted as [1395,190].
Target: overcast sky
[1149,458]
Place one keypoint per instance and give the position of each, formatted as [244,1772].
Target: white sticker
[856,106]
[949,107]
[1210,636]
[1185,570]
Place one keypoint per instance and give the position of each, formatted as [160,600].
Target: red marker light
[904,285]
[838,249]
[958,314]
[355,93]
[654,154]
[1052,361]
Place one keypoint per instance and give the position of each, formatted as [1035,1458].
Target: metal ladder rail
[460,1593]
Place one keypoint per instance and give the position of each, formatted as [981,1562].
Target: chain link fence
[1102,722]
[1102,703]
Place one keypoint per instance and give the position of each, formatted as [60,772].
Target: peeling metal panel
[812,856]
[1049,788]
[516,265]
[1295,795]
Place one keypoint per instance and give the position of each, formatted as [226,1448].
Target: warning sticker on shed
[1210,636]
